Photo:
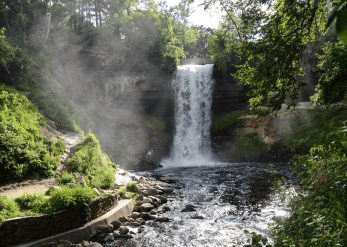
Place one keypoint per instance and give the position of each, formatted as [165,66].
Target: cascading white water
[193,86]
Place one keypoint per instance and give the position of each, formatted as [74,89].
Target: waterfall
[193,86]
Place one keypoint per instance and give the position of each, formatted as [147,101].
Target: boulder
[116,234]
[155,199]
[140,197]
[145,216]
[141,229]
[125,196]
[105,237]
[162,199]
[116,224]
[147,200]
[103,229]
[123,230]
[134,215]
[123,219]
[152,192]
[146,207]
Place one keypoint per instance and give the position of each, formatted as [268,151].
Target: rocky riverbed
[196,206]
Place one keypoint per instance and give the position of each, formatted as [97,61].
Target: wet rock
[102,229]
[136,209]
[155,205]
[188,208]
[139,202]
[158,187]
[94,244]
[153,212]
[134,215]
[155,199]
[167,190]
[145,216]
[116,234]
[152,192]
[140,197]
[136,188]
[123,230]
[147,200]
[143,192]
[197,217]
[135,224]
[123,219]
[162,199]
[163,219]
[65,242]
[168,180]
[153,217]
[126,223]
[146,207]
[84,243]
[131,220]
[166,208]
[128,236]
[141,229]
[116,224]
[106,237]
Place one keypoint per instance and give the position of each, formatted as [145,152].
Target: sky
[200,17]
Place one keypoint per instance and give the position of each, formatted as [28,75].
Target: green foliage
[250,142]
[66,177]
[121,192]
[153,124]
[90,160]
[36,203]
[68,197]
[228,120]
[311,124]
[332,74]
[8,209]
[319,211]
[257,240]
[22,148]
[7,52]
[131,186]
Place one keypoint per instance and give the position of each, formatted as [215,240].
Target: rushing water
[222,199]
[193,86]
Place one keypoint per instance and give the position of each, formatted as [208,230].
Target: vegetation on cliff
[23,149]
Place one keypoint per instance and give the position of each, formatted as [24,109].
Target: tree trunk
[49,21]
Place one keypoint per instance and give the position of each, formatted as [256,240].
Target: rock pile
[148,205]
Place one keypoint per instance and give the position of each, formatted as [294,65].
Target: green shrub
[319,210]
[121,192]
[66,177]
[311,124]
[90,160]
[131,186]
[23,148]
[228,120]
[68,197]
[8,209]
[250,142]
[35,203]
[153,124]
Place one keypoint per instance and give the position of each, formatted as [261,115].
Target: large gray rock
[134,215]
[152,192]
[102,229]
[146,207]
[147,200]
[123,219]
[123,230]
[162,199]
[116,224]
[145,216]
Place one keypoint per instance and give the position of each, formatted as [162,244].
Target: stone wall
[26,229]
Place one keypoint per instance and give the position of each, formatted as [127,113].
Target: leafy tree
[332,74]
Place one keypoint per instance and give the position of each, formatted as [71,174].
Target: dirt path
[32,184]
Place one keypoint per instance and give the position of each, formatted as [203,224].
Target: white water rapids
[191,145]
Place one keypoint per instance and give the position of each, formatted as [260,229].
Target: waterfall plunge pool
[227,199]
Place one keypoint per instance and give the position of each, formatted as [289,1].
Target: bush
[8,209]
[131,186]
[311,124]
[319,211]
[35,203]
[93,163]
[68,197]
[250,142]
[228,120]
[66,177]
[23,148]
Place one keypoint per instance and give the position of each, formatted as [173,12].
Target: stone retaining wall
[26,229]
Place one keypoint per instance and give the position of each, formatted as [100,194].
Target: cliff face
[131,103]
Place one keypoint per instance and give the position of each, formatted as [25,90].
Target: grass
[23,149]
[228,120]
[153,124]
[90,160]
[131,186]
[250,142]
